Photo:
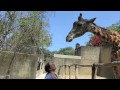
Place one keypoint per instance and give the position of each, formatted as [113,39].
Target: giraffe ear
[91,20]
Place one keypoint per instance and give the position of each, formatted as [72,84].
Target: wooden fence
[93,68]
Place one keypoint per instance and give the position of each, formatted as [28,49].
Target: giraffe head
[79,28]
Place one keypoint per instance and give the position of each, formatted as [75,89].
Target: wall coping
[67,56]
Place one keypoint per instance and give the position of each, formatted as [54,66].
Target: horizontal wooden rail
[77,65]
[96,64]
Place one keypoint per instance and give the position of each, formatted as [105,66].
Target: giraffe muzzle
[68,39]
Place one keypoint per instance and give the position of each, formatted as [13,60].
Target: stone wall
[20,66]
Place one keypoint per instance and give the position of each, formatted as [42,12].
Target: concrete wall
[89,55]
[66,60]
[21,66]
[97,55]
[105,57]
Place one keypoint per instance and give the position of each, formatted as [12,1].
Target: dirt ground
[42,76]
[80,77]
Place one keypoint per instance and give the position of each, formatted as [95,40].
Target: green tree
[32,34]
[66,51]
[7,25]
[115,26]
[48,55]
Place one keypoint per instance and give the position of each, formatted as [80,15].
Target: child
[50,69]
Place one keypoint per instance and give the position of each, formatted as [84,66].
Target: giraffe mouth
[68,39]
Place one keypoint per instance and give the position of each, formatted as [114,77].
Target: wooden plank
[76,72]
[93,71]
[69,72]
[65,71]
[59,70]
[115,63]
[97,64]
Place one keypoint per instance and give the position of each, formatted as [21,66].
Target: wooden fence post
[93,71]
[65,71]
[76,72]
[69,72]
[59,70]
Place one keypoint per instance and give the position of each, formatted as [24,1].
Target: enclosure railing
[93,68]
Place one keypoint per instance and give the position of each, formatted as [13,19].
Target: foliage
[65,51]
[48,55]
[24,31]
[115,26]
[7,25]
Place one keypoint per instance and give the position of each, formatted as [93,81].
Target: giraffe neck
[110,36]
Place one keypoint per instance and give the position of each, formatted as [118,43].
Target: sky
[62,21]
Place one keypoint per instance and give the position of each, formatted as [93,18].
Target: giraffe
[82,26]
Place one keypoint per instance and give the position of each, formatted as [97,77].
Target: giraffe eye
[79,24]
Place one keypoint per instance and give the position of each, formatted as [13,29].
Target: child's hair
[47,67]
